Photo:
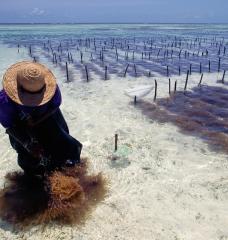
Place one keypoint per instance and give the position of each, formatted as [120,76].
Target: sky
[114,11]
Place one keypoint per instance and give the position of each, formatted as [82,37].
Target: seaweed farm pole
[223,77]
[116,142]
[190,69]
[135,100]
[186,81]
[155,89]
[67,72]
[126,70]
[169,86]
[209,66]
[201,78]
[200,67]
[179,70]
[87,75]
[175,87]
[219,64]
[81,55]
[167,71]
[106,72]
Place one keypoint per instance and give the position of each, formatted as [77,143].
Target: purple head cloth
[9,110]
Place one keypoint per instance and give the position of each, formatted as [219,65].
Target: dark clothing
[10,110]
[53,135]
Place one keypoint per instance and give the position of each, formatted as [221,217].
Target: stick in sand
[126,70]
[67,73]
[155,89]
[219,64]
[175,87]
[186,81]
[201,78]
[116,142]
[87,75]
[169,86]
[135,100]
[106,72]
[223,77]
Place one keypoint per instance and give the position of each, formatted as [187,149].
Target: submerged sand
[164,184]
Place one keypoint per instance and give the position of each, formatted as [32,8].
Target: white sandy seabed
[167,185]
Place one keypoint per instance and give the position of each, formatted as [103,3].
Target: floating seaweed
[202,112]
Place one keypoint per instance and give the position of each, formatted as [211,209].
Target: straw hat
[29,84]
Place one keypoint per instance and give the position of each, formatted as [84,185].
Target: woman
[29,110]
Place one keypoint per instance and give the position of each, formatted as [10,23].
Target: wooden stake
[116,142]
[106,72]
[219,64]
[169,86]
[155,89]
[201,78]
[223,77]
[126,70]
[175,87]
[87,75]
[135,100]
[67,73]
[186,81]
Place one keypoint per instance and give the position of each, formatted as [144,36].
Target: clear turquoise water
[58,31]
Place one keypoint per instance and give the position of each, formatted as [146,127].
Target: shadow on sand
[66,196]
[202,112]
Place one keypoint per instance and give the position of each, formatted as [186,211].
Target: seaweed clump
[65,196]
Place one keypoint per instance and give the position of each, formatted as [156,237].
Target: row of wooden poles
[70,60]
[189,72]
[175,85]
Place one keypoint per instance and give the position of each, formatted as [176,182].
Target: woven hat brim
[12,89]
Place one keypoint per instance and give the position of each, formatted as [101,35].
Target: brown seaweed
[67,196]
[202,112]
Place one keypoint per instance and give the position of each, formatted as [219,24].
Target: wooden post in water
[219,64]
[116,142]
[186,81]
[126,70]
[175,87]
[81,55]
[167,71]
[106,72]
[155,89]
[67,72]
[223,77]
[200,67]
[169,86]
[135,100]
[209,66]
[87,75]
[201,78]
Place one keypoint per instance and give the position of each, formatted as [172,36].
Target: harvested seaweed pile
[66,196]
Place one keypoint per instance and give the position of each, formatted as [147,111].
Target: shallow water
[164,184]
